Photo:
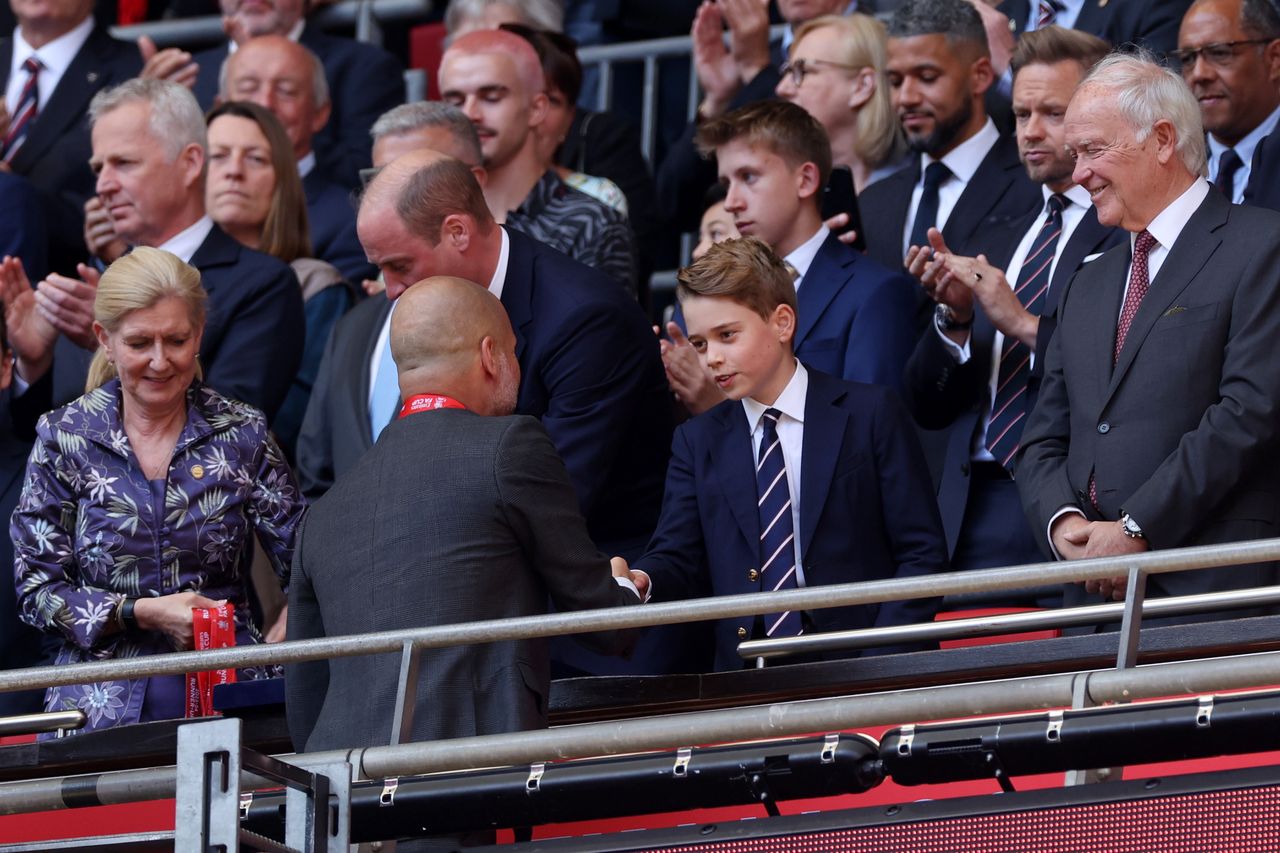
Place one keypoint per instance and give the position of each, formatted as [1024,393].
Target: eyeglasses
[800,67]
[1219,55]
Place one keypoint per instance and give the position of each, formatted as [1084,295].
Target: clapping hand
[30,334]
[688,379]
[67,303]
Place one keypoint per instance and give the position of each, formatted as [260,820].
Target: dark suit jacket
[254,327]
[1263,189]
[590,371]
[996,198]
[483,524]
[331,213]
[55,155]
[944,395]
[1152,24]
[1182,434]
[22,225]
[364,82]
[865,509]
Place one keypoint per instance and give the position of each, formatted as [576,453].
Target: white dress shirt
[801,257]
[963,161]
[1245,148]
[56,57]
[790,404]
[185,243]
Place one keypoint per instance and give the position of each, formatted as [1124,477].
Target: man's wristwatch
[946,319]
[1130,527]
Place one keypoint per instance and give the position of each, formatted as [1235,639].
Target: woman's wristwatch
[125,620]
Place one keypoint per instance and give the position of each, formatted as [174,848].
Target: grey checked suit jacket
[451,517]
[1183,433]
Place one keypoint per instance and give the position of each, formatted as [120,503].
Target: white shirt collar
[185,243]
[306,164]
[801,257]
[500,272]
[56,57]
[1169,223]
[1246,146]
[790,402]
[965,158]
[1077,194]
[293,35]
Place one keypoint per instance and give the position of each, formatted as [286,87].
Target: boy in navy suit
[797,479]
[857,319]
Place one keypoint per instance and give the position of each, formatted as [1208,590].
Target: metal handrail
[1031,693]
[618,618]
[48,721]
[362,14]
[1005,623]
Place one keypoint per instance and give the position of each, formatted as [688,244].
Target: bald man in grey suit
[460,512]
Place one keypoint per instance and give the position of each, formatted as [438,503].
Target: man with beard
[978,376]
[1229,54]
[968,180]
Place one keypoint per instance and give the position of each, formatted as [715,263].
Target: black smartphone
[839,197]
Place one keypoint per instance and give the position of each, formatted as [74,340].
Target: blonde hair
[862,41]
[136,281]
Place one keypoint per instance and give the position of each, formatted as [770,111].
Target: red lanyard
[427,402]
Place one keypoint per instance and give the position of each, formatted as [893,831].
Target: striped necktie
[777,532]
[1009,406]
[26,111]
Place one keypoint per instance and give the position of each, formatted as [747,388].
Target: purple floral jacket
[86,532]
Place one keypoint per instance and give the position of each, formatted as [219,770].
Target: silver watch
[1130,527]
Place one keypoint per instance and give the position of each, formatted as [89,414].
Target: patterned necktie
[1139,282]
[25,113]
[927,210]
[777,532]
[1229,163]
[1009,406]
[385,393]
[1047,14]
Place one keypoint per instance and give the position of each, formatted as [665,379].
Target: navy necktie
[1229,163]
[777,531]
[1009,406]
[927,211]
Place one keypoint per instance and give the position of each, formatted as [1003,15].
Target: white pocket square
[1093,257]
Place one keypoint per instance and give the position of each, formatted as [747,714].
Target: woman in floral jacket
[141,496]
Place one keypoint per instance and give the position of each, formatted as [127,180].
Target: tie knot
[1056,204]
[32,65]
[1144,243]
[1229,159]
[771,417]
[935,173]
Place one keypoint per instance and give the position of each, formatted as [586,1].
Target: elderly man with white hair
[1157,421]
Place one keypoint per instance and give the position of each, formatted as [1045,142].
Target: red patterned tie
[26,110]
[1139,283]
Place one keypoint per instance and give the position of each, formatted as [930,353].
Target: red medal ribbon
[428,402]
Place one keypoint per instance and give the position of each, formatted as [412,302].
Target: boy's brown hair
[781,127]
[744,270]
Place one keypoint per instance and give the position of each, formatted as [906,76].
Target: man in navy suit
[78,60]
[148,153]
[798,479]
[1152,24]
[286,78]
[968,180]
[976,372]
[364,81]
[856,318]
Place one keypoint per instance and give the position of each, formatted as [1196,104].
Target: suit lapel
[1188,255]
[517,290]
[824,279]
[733,463]
[218,249]
[364,383]
[84,77]
[1089,237]
[1104,292]
[824,425]
[983,192]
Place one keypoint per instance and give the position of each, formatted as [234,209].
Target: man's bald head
[283,77]
[451,336]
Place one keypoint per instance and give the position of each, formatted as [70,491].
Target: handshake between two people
[638,578]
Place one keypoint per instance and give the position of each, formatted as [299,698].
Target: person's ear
[1166,137]
[192,160]
[321,117]
[1271,56]
[490,358]
[808,180]
[981,75]
[783,321]
[538,107]
[862,87]
[104,340]
[457,228]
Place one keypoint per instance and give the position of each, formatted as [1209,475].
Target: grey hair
[956,19]
[1145,92]
[539,14]
[176,119]
[407,118]
[319,83]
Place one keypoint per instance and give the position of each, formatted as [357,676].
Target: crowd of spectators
[1051,347]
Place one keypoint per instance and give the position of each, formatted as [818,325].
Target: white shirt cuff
[961,354]
[626,583]
[1049,529]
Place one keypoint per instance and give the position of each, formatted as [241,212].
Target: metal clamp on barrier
[246,801]
[389,786]
[905,737]
[534,782]
[680,769]
[829,744]
[1053,733]
[1204,712]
